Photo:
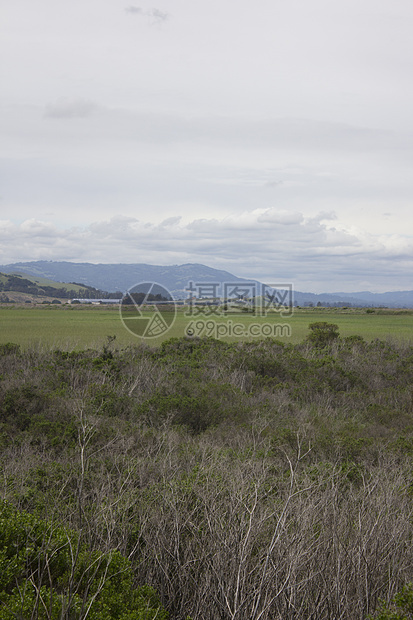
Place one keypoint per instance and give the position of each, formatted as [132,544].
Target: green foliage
[194,406]
[322,333]
[105,400]
[355,339]
[400,608]
[187,347]
[46,572]
[19,404]
[9,348]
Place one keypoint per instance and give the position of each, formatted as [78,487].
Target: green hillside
[21,287]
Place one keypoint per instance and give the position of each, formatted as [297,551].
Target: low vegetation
[240,481]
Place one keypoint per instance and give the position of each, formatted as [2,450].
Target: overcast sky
[272,139]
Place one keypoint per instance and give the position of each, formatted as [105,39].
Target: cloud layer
[274,246]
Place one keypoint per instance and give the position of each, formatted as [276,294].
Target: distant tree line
[140,298]
[328,304]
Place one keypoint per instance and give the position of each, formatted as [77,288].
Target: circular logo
[147,310]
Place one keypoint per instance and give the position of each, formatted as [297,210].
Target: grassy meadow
[72,327]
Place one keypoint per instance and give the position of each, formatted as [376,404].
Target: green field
[71,327]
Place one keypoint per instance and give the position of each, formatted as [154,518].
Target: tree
[322,333]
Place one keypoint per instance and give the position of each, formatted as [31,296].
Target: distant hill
[392,299]
[175,278]
[121,277]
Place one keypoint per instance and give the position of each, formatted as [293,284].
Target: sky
[271,139]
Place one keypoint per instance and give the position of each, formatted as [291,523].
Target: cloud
[171,221]
[159,15]
[280,217]
[264,244]
[71,108]
[154,15]
[38,229]
[136,10]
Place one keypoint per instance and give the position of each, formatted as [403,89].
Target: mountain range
[176,279]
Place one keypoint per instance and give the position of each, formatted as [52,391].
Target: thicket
[240,481]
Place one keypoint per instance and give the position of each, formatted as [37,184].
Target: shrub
[9,348]
[47,573]
[400,608]
[322,333]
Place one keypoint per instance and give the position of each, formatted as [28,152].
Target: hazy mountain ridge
[122,276]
